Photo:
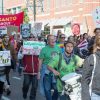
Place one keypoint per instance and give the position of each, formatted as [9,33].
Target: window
[8,11]
[18,9]
[81,1]
[57,3]
[13,10]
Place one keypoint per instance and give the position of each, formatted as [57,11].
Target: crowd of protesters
[61,55]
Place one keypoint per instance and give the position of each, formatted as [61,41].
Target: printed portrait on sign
[25,30]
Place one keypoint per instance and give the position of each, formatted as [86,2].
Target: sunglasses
[62,37]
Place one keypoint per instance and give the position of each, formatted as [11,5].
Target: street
[16,88]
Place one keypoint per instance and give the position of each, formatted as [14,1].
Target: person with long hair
[2,72]
[91,74]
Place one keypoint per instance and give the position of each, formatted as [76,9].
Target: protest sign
[3,30]
[37,29]
[32,47]
[76,29]
[5,58]
[11,30]
[13,19]
[25,30]
[96,16]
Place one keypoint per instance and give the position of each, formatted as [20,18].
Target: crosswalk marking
[5,98]
[17,78]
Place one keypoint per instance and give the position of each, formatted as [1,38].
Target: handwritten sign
[96,16]
[5,58]
[32,47]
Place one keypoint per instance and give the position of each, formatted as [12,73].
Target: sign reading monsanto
[16,19]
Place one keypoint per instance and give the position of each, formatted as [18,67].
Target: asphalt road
[16,88]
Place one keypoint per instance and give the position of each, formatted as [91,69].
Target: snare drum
[73,80]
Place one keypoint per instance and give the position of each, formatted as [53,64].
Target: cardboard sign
[12,29]
[5,58]
[32,47]
[25,30]
[96,16]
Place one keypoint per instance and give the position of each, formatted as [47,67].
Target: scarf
[67,58]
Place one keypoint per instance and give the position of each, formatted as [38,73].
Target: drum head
[69,76]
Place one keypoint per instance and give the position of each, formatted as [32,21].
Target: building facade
[55,12]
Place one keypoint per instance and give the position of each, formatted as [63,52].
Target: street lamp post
[34,12]
[2,8]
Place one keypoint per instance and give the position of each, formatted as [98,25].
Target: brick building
[58,14]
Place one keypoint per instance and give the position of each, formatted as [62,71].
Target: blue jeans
[48,85]
[95,97]
[30,79]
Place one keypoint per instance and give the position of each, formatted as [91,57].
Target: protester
[61,41]
[69,63]
[2,72]
[91,74]
[91,42]
[30,63]
[8,46]
[47,82]
[20,59]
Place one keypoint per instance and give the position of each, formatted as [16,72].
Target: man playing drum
[69,63]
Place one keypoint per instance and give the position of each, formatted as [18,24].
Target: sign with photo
[25,30]
[96,16]
[32,47]
[76,29]
[5,58]
[3,30]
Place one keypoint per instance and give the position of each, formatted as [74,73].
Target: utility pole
[34,6]
[2,8]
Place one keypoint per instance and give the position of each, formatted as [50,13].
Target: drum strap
[60,60]
[94,67]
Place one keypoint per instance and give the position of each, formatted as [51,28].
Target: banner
[16,19]
[32,47]
[25,30]
[3,30]
[5,58]
[96,16]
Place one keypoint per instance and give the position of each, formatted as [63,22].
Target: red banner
[16,19]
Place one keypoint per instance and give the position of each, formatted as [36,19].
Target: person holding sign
[30,64]
[8,46]
[2,72]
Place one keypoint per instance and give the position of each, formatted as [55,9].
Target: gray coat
[86,76]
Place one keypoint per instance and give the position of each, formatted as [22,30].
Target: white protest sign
[37,29]
[32,47]
[3,30]
[5,58]
[96,16]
